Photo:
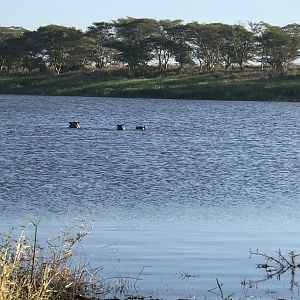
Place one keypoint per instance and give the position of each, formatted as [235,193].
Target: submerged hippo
[74,124]
[120,127]
[140,127]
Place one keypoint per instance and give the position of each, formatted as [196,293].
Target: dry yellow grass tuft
[29,271]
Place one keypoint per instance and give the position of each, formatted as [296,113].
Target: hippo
[74,124]
[140,127]
[120,127]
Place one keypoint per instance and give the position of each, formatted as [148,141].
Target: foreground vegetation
[225,85]
[29,271]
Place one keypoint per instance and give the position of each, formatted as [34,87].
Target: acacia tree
[281,46]
[29,52]
[8,52]
[14,52]
[177,35]
[58,45]
[98,38]
[259,53]
[276,46]
[237,45]
[243,44]
[206,43]
[133,41]
[293,30]
[162,43]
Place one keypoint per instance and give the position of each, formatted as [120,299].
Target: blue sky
[32,14]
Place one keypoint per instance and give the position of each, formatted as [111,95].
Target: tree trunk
[58,69]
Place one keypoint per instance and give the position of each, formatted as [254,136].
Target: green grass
[221,85]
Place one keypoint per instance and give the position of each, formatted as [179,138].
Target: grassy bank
[229,85]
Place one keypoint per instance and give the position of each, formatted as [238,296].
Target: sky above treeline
[80,14]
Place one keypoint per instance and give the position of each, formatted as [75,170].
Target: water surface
[206,181]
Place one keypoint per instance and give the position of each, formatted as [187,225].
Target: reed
[32,272]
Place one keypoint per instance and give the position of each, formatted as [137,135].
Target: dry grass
[32,272]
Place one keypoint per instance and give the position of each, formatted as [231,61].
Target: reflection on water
[277,267]
[173,194]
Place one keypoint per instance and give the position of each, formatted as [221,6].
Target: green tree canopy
[133,40]
[99,37]
[58,45]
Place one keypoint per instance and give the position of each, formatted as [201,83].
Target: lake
[175,206]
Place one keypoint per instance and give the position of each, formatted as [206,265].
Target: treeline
[141,44]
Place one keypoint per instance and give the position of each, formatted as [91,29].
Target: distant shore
[250,85]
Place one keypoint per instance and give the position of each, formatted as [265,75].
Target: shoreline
[226,86]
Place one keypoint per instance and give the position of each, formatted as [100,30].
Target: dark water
[205,182]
